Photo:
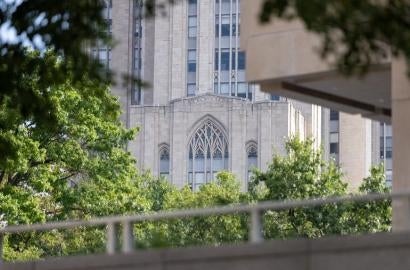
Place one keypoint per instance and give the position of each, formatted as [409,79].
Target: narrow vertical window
[192,47]
[334,135]
[136,93]
[100,52]
[386,151]
[229,62]
[164,162]
[252,160]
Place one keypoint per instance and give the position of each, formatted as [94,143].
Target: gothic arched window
[252,159]
[207,155]
[164,162]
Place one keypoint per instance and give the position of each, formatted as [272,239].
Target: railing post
[255,227]
[127,237]
[110,246]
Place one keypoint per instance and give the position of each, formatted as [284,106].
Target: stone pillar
[122,33]
[178,43]
[401,146]
[354,148]
[205,49]
[161,83]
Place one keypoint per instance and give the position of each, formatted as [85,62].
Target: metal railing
[255,225]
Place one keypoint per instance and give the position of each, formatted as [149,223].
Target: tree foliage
[76,169]
[301,174]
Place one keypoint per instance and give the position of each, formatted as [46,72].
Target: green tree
[61,26]
[373,216]
[65,27]
[303,174]
[210,230]
[76,169]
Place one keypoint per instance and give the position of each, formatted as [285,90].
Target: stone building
[197,114]
[195,74]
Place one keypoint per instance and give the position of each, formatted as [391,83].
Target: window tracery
[207,155]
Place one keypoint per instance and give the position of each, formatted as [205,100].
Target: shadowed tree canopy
[67,28]
[356,33]
[61,26]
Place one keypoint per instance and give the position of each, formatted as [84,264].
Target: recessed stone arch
[207,152]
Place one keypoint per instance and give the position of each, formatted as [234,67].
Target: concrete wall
[376,252]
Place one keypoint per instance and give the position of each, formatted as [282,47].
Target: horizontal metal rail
[255,211]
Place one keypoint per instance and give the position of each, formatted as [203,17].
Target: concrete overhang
[283,58]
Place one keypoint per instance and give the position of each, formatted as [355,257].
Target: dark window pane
[388,153]
[334,148]
[216,60]
[191,67]
[225,61]
[241,60]
[233,29]
[334,115]
[225,30]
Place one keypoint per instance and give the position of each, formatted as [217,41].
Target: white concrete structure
[383,94]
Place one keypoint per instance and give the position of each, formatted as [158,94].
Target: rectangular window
[226,4]
[192,7]
[274,97]
[334,148]
[233,57]
[216,60]
[241,60]
[225,26]
[334,115]
[191,43]
[334,137]
[199,178]
[192,21]
[191,67]
[191,55]
[225,88]
[102,55]
[191,89]
[192,46]
[217,164]
[191,77]
[334,126]
[191,32]
[242,88]
[224,60]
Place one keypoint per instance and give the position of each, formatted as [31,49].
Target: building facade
[197,115]
[357,144]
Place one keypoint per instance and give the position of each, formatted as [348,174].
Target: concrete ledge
[376,251]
